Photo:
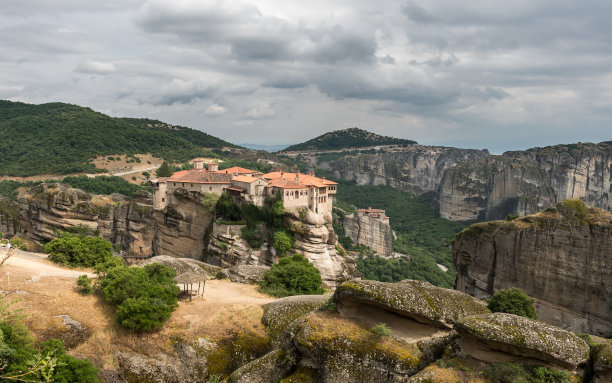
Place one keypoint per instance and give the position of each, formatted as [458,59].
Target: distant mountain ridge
[59,138]
[347,138]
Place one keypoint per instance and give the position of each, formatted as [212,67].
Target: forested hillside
[347,138]
[421,234]
[59,138]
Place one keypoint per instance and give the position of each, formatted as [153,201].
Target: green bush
[253,236]
[283,241]
[84,285]
[381,330]
[145,297]
[226,208]
[79,251]
[513,301]
[292,276]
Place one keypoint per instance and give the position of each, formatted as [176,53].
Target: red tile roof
[237,170]
[200,176]
[246,179]
[279,179]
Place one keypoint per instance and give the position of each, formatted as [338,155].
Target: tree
[226,208]
[277,211]
[292,276]
[79,251]
[145,297]
[283,241]
[209,201]
[164,170]
[513,301]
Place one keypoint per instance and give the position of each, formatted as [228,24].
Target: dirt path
[34,266]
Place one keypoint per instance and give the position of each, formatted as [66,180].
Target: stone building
[296,190]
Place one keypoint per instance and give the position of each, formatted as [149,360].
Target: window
[210,188]
[163,200]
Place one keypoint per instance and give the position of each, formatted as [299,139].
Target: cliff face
[179,230]
[527,181]
[416,168]
[561,257]
[369,231]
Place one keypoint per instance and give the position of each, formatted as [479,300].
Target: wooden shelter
[189,279]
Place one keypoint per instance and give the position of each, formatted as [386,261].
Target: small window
[163,200]
[210,188]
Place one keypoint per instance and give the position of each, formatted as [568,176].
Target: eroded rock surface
[372,232]
[247,273]
[522,337]
[561,257]
[417,300]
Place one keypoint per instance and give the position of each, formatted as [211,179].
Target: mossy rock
[235,351]
[303,375]
[278,315]
[250,274]
[526,337]
[345,351]
[269,368]
[421,301]
[601,355]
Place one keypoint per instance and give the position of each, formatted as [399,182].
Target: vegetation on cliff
[347,138]
[59,138]
[421,234]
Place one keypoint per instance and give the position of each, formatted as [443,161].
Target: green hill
[347,138]
[58,138]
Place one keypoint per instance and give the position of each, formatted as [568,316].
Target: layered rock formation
[372,231]
[472,185]
[179,230]
[415,169]
[525,182]
[560,256]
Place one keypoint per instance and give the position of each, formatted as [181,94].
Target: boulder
[269,368]
[343,351]
[247,273]
[420,301]
[521,337]
[278,315]
[601,351]
[183,265]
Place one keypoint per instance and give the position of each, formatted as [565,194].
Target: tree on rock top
[513,301]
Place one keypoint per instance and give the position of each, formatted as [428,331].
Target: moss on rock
[523,336]
[269,368]
[348,352]
[278,315]
[419,300]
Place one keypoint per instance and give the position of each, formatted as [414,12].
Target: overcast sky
[480,74]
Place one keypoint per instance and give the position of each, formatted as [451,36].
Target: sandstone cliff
[560,256]
[525,182]
[180,230]
[416,169]
[369,231]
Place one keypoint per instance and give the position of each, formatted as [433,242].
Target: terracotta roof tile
[200,176]
[236,170]
[303,179]
[246,179]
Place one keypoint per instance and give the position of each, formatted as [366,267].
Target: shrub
[209,201]
[511,217]
[84,285]
[381,330]
[283,241]
[145,297]
[292,276]
[513,301]
[277,211]
[505,372]
[330,304]
[253,236]
[79,251]
[226,208]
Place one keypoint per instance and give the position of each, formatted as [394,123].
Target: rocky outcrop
[602,359]
[278,315]
[180,230]
[524,182]
[269,368]
[416,169]
[343,351]
[499,336]
[247,273]
[420,301]
[560,256]
[228,248]
[316,240]
[374,232]
[186,265]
